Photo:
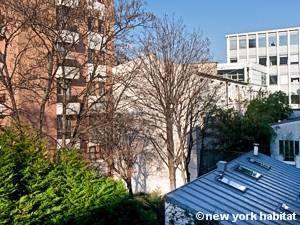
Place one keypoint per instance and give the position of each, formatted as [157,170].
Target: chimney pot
[255,149]
[221,166]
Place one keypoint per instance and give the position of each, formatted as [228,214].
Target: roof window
[248,172]
[232,184]
[260,163]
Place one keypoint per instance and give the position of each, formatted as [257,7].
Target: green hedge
[35,191]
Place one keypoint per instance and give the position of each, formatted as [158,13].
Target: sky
[216,18]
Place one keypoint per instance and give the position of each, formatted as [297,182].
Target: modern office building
[278,50]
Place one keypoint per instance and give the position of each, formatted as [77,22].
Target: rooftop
[249,184]
[264,31]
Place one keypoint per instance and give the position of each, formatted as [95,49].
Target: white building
[278,50]
[285,145]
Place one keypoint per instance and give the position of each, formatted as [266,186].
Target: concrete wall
[284,131]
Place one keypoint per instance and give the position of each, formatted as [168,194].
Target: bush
[34,191]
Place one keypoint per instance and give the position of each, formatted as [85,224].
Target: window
[101,27]
[252,42]
[294,38]
[248,172]
[233,44]
[91,54]
[273,60]
[294,59]
[263,61]
[283,39]
[273,79]
[295,79]
[283,60]
[262,41]
[232,183]
[233,60]
[260,163]
[92,152]
[91,23]
[242,42]
[60,126]
[288,149]
[295,99]
[64,85]
[272,40]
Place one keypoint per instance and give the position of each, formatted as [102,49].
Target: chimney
[221,166]
[255,149]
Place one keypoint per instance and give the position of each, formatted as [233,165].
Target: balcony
[72,108]
[98,73]
[68,73]
[69,3]
[70,37]
[97,7]
[96,41]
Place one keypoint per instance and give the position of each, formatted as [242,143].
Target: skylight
[232,183]
[248,172]
[259,163]
[290,209]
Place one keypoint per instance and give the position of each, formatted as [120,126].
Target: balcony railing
[70,37]
[69,3]
[97,7]
[68,72]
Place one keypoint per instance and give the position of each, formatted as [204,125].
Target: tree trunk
[129,185]
[170,151]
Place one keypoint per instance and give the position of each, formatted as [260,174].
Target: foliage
[238,131]
[35,191]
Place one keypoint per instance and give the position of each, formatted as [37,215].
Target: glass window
[295,79]
[252,42]
[242,42]
[273,60]
[101,27]
[283,39]
[262,41]
[233,60]
[297,148]
[263,61]
[232,184]
[233,44]
[283,60]
[248,172]
[295,99]
[64,84]
[272,40]
[288,149]
[90,23]
[68,124]
[281,147]
[273,79]
[294,38]
[294,59]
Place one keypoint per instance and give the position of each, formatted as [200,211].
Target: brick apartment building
[56,66]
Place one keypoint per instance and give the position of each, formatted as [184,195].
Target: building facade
[285,143]
[278,50]
[61,66]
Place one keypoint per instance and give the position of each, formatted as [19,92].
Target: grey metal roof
[290,120]
[280,184]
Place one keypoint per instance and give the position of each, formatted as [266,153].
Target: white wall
[284,131]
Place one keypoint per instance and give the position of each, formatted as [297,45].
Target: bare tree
[66,44]
[172,92]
